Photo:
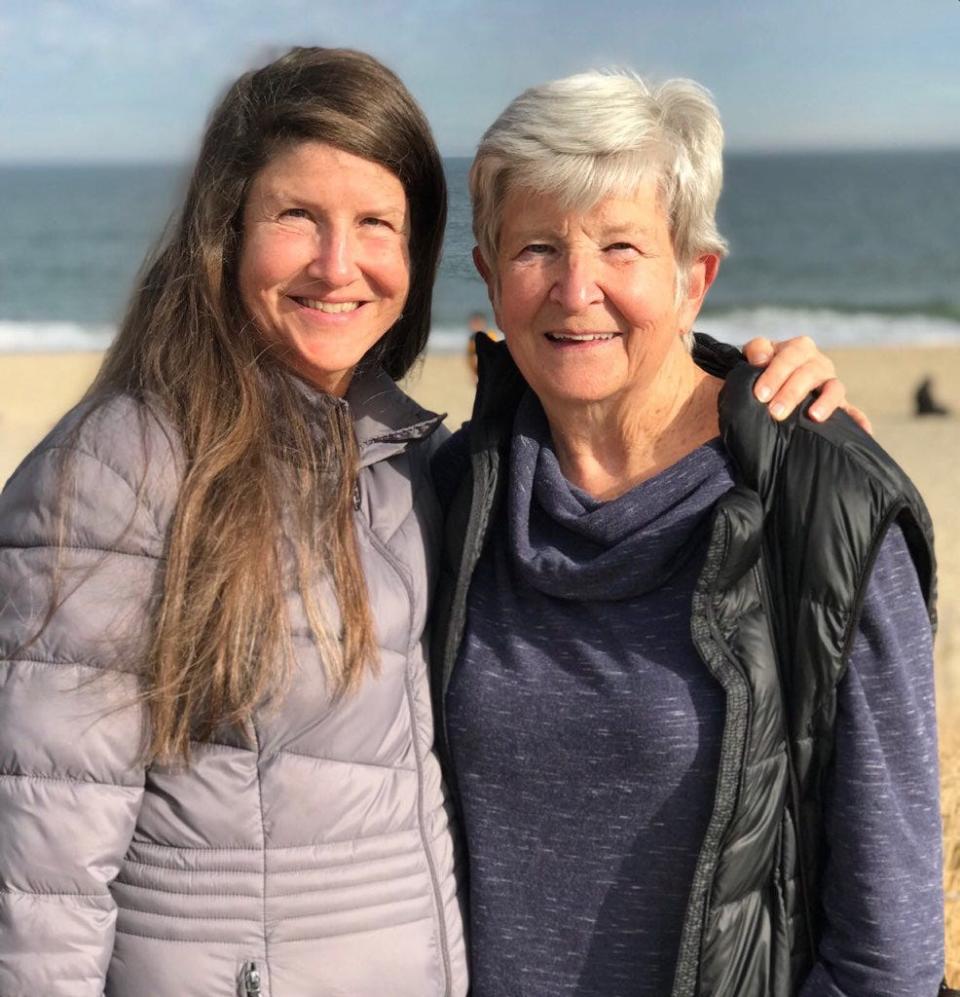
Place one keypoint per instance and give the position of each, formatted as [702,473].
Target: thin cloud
[122,79]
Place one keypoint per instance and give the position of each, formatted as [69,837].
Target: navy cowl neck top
[585,730]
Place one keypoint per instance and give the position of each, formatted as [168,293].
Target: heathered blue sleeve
[882,894]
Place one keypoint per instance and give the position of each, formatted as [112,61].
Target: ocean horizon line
[744,152]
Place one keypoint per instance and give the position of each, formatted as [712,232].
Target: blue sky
[98,80]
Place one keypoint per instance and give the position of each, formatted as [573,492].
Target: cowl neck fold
[571,546]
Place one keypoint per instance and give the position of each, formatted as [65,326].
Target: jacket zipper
[720,662]
[425,838]
[250,980]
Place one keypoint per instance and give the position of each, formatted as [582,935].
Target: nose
[576,287]
[334,260]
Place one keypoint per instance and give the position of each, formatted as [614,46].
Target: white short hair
[595,134]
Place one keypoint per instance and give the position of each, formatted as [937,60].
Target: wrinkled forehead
[579,183]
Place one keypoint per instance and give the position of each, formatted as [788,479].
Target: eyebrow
[615,230]
[283,195]
[533,233]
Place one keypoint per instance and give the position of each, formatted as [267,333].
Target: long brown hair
[260,465]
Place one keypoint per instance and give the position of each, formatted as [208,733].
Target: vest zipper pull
[250,979]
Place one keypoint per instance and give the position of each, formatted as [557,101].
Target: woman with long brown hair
[216,765]
[216,733]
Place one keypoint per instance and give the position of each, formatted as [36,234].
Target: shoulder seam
[73,782]
[54,663]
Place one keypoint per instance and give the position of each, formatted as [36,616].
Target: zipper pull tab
[251,980]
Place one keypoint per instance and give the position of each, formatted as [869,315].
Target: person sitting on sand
[924,401]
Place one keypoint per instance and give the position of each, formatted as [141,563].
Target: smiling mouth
[586,337]
[327,307]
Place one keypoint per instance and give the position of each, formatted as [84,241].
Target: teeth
[586,338]
[329,307]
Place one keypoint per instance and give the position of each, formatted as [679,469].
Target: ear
[489,278]
[702,273]
[481,264]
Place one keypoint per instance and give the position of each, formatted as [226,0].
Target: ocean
[850,248]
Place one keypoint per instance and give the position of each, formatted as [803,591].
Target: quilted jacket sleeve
[70,731]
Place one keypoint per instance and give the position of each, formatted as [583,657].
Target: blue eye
[295,213]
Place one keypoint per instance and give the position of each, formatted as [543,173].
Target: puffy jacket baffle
[308,854]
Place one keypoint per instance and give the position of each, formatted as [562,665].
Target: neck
[607,448]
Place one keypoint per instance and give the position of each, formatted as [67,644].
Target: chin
[581,392]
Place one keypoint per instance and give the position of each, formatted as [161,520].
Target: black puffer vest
[774,614]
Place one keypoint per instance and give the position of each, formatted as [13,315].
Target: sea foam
[828,328]
[53,337]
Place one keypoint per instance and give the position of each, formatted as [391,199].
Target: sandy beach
[36,389]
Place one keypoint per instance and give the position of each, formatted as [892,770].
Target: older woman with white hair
[683,652]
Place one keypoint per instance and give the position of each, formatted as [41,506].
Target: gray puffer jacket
[312,857]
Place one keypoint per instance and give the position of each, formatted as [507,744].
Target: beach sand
[35,390]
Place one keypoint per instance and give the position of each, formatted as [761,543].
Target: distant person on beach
[476,325]
[924,401]
[682,651]
[216,740]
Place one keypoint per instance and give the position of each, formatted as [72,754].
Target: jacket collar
[500,386]
[385,419]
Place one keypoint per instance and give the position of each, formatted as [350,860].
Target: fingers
[859,417]
[797,368]
[833,395]
[758,351]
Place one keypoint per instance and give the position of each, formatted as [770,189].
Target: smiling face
[587,300]
[324,267]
